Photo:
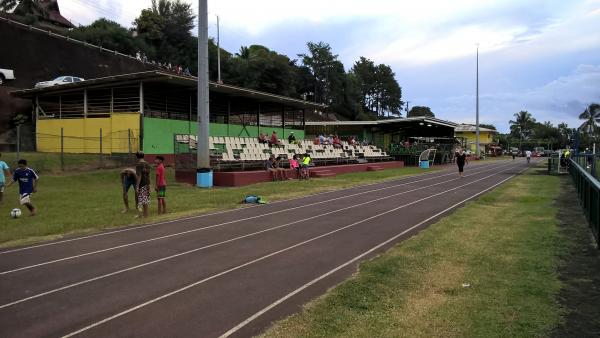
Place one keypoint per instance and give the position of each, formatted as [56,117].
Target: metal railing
[588,190]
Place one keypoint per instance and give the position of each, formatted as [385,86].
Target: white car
[59,81]
[6,74]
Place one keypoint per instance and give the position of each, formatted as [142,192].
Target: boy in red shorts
[161,184]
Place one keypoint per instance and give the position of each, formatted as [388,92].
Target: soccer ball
[15,213]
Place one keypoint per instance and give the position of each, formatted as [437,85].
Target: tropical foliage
[591,118]
[417,111]
[163,33]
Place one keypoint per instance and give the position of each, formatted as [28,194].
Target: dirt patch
[579,271]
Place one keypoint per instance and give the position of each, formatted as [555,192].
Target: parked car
[6,74]
[59,81]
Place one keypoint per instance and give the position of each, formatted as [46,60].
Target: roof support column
[283,119]
[228,114]
[258,120]
[85,103]
[141,133]
[141,98]
[304,119]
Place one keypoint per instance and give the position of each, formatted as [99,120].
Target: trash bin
[424,164]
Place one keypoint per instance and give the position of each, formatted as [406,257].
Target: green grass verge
[91,201]
[504,245]
[50,163]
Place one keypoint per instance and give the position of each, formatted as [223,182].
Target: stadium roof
[167,77]
[428,120]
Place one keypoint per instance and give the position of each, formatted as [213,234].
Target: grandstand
[231,153]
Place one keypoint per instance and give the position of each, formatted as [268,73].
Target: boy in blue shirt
[3,169]
[27,179]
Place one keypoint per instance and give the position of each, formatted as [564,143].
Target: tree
[259,68]
[166,27]
[387,92]
[327,71]
[546,134]
[566,134]
[488,126]
[150,25]
[591,117]
[420,111]
[522,125]
[380,92]
[107,34]
[364,72]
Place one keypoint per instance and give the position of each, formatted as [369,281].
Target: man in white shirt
[528,155]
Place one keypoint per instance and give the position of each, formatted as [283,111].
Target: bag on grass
[253,199]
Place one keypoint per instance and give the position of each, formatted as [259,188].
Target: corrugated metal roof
[382,122]
[471,128]
[162,76]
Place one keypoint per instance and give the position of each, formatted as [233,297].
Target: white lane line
[69,286]
[195,230]
[189,286]
[353,260]
[225,211]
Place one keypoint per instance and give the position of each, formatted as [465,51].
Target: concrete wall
[37,56]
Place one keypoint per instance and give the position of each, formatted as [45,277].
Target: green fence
[588,189]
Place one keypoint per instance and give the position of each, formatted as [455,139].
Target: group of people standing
[139,180]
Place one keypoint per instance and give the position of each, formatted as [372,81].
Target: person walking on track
[461,160]
[528,154]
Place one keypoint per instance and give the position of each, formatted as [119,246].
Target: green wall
[158,133]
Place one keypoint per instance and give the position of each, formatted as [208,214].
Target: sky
[542,56]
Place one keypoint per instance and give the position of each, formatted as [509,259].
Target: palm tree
[591,115]
[523,123]
[244,53]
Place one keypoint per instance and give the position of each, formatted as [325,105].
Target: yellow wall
[83,135]
[485,138]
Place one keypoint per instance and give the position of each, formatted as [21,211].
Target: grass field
[50,163]
[487,270]
[83,202]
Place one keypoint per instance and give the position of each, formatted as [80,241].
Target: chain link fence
[68,153]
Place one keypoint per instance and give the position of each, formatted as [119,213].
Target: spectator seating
[247,152]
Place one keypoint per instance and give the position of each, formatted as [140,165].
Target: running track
[224,274]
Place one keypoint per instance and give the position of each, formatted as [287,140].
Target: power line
[107,12]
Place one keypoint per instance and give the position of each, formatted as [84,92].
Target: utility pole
[477,107]
[203,171]
[218,52]
[407,104]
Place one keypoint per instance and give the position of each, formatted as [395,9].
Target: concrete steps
[375,168]
[322,173]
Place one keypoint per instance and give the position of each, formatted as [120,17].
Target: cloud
[560,100]
[536,55]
